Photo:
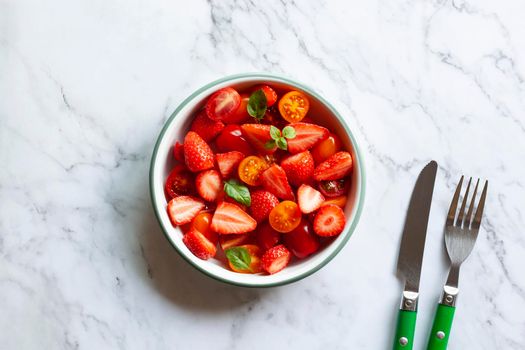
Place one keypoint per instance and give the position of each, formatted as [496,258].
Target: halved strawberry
[329,221]
[335,167]
[229,218]
[306,136]
[266,236]
[197,154]
[258,135]
[275,181]
[309,199]
[262,204]
[209,184]
[183,209]
[199,245]
[228,162]
[299,168]
[271,95]
[205,127]
[178,151]
[275,259]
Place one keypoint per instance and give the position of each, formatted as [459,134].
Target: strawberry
[271,95]
[306,136]
[266,236]
[183,209]
[228,162]
[335,167]
[178,151]
[209,184]
[309,199]
[258,135]
[299,168]
[275,181]
[197,154]
[329,221]
[199,245]
[262,204]
[275,259]
[229,218]
[205,127]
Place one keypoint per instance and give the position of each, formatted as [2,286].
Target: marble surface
[85,87]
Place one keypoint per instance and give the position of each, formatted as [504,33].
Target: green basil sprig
[280,138]
[239,257]
[238,191]
[257,105]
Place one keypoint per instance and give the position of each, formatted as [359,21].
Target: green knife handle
[440,333]
[406,326]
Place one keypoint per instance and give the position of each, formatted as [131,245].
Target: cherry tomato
[241,113]
[178,151]
[255,259]
[233,240]
[339,201]
[223,104]
[202,224]
[250,170]
[266,236]
[293,106]
[333,188]
[271,95]
[285,217]
[232,139]
[302,241]
[180,182]
[324,149]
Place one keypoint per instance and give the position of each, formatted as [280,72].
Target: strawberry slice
[306,136]
[209,185]
[309,199]
[329,221]
[206,128]
[335,167]
[275,181]
[229,218]
[183,209]
[228,162]
[275,259]
[258,135]
[197,154]
[199,245]
[299,168]
[262,204]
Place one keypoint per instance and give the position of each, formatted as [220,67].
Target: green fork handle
[441,327]
[406,326]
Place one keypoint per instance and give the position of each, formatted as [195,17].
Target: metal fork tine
[468,219]
[463,205]
[479,210]
[454,204]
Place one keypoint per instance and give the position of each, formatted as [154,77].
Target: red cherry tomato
[231,139]
[326,148]
[223,104]
[180,182]
[240,115]
[333,188]
[266,236]
[271,95]
[302,241]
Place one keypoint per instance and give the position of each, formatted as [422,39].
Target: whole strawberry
[197,154]
[299,168]
[262,204]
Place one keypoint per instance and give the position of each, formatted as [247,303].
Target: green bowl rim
[361,183]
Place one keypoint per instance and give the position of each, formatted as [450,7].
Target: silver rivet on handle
[440,334]
[403,341]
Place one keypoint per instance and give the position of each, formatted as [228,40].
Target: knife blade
[411,254]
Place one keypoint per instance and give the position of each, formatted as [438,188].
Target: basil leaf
[281,143]
[270,144]
[275,133]
[239,257]
[238,192]
[257,105]
[288,132]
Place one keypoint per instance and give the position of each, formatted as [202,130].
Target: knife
[411,255]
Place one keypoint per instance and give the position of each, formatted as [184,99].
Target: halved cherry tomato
[285,217]
[293,106]
[255,259]
[324,149]
[271,95]
[339,201]
[180,182]
[250,169]
[232,139]
[202,224]
[223,104]
[241,113]
[333,188]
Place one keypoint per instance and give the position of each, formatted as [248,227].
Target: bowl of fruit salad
[256,180]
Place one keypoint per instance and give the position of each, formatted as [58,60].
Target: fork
[461,232]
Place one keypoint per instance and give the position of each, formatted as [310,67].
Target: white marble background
[85,87]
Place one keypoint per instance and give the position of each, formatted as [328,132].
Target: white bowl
[162,162]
